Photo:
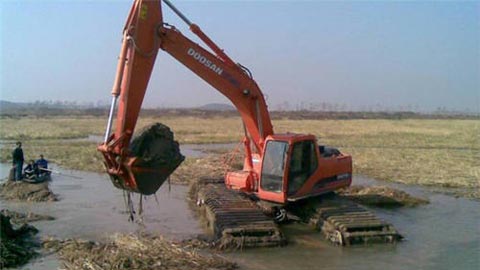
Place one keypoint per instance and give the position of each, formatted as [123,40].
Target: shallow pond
[444,234]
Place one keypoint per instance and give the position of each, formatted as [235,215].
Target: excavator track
[235,220]
[346,223]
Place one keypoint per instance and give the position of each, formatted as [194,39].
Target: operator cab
[294,167]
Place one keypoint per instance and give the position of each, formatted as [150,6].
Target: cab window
[303,163]
[273,166]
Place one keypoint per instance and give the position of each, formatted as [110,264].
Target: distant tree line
[300,110]
[343,107]
[67,104]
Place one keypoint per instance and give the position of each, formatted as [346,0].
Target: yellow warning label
[143,11]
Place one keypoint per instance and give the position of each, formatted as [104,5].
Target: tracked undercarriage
[236,221]
[345,222]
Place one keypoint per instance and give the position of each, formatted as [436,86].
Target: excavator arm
[229,79]
[144,34]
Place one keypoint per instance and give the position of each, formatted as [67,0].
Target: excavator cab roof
[291,137]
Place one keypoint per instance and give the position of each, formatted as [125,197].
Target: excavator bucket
[142,179]
[154,156]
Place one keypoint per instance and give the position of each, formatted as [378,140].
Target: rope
[140,210]
[140,205]
[127,198]
[130,208]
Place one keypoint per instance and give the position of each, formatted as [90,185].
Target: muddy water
[444,234]
[91,208]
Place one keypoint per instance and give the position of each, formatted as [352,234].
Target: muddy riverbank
[381,196]
[17,245]
[24,191]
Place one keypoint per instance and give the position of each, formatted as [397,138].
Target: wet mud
[159,153]
[17,246]
[20,218]
[381,196]
[23,191]
[156,146]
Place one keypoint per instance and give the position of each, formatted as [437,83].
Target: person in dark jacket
[31,171]
[42,164]
[18,159]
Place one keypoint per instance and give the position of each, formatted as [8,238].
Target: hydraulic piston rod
[122,60]
[110,118]
[180,14]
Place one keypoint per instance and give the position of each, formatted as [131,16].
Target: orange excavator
[279,170]
[277,167]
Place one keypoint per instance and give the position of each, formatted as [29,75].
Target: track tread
[345,222]
[234,217]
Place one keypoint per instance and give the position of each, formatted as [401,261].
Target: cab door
[302,165]
[272,184]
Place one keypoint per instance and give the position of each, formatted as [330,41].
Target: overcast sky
[362,54]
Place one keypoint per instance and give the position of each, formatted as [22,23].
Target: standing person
[18,159]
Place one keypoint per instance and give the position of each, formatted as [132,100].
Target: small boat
[40,178]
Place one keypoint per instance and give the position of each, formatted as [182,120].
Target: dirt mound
[381,196]
[19,218]
[16,245]
[133,252]
[156,147]
[23,191]
[158,155]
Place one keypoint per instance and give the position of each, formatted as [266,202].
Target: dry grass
[133,252]
[381,196]
[443,153]
[187,129]
[440,153]
[31,128]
